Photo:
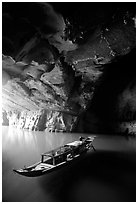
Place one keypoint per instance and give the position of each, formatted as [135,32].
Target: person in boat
[69,157]
[81,138]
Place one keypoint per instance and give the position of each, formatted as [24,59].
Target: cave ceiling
[55,55]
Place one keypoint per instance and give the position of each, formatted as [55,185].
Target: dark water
[108,174]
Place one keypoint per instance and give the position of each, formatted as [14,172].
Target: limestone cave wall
[76,74]
[44,120]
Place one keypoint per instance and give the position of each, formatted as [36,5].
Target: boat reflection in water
[105,175]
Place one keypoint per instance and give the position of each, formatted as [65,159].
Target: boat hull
[72,152]
[37,173]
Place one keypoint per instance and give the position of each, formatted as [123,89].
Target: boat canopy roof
[58,151]
[62,149]
[74,144]
[65,148]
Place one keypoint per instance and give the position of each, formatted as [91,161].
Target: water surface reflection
[107,175]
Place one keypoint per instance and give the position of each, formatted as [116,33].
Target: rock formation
[53,83]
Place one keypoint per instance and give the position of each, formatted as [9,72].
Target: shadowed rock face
[52,81]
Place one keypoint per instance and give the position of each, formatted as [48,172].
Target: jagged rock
[11,67]
[52,121]
[105,44]
[5,121]
[127,128]
[61,44]
[55,77]
[33,71]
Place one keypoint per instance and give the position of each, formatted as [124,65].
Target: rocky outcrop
[36,98]
[43,120]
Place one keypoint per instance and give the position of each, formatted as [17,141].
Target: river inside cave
[108,174]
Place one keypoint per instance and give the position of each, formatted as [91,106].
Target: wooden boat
[58,157]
